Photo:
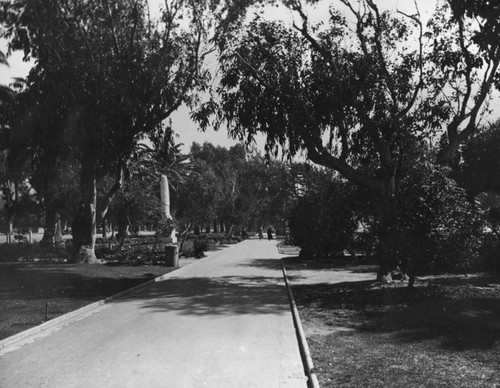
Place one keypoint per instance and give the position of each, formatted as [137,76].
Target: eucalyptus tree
[332,91]
[107,74]
[358,91]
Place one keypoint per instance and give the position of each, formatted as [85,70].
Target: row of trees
[366,93]
[106,74]
[212,189]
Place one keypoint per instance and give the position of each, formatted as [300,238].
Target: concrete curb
[17,340]
[312,379]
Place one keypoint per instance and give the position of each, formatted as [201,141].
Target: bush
[439,228]
[200,246]
[323,222]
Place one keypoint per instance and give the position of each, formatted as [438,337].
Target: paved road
[224,321]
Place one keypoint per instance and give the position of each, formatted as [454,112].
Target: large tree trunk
[84,224]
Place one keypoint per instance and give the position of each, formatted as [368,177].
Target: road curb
[26,336]
[312,379]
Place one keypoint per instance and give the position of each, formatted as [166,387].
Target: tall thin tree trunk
[184,235]
[58,236]
[10,229]
[84,224]
[49,227]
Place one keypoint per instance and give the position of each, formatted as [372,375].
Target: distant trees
[234,189]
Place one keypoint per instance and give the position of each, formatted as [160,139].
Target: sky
[186,129]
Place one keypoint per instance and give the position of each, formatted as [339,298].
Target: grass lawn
[25,288]
[445,332]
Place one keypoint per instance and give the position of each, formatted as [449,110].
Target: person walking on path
[261,233]
[222,322]
[269,233]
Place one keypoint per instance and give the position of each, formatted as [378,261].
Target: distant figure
[269,234]
[261,233]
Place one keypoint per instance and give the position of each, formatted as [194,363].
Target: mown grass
[445,332]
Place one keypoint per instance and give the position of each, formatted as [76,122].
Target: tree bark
[84,224]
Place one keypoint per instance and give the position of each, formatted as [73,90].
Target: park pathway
[223,321]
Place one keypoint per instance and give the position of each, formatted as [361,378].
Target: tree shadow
[458,319]
[341,264]
[217,247]
[52,281]
[228,295]
[270,263]
[457,324]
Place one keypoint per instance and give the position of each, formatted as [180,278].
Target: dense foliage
[440,230]
[323,221]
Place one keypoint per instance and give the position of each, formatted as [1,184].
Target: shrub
[200,246]
[439,227]
[323,221]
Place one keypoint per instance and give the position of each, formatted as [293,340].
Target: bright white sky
[182,124]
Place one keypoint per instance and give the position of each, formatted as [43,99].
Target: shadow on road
[263,263]
[228,295]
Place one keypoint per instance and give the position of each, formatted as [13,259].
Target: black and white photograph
[249,193]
